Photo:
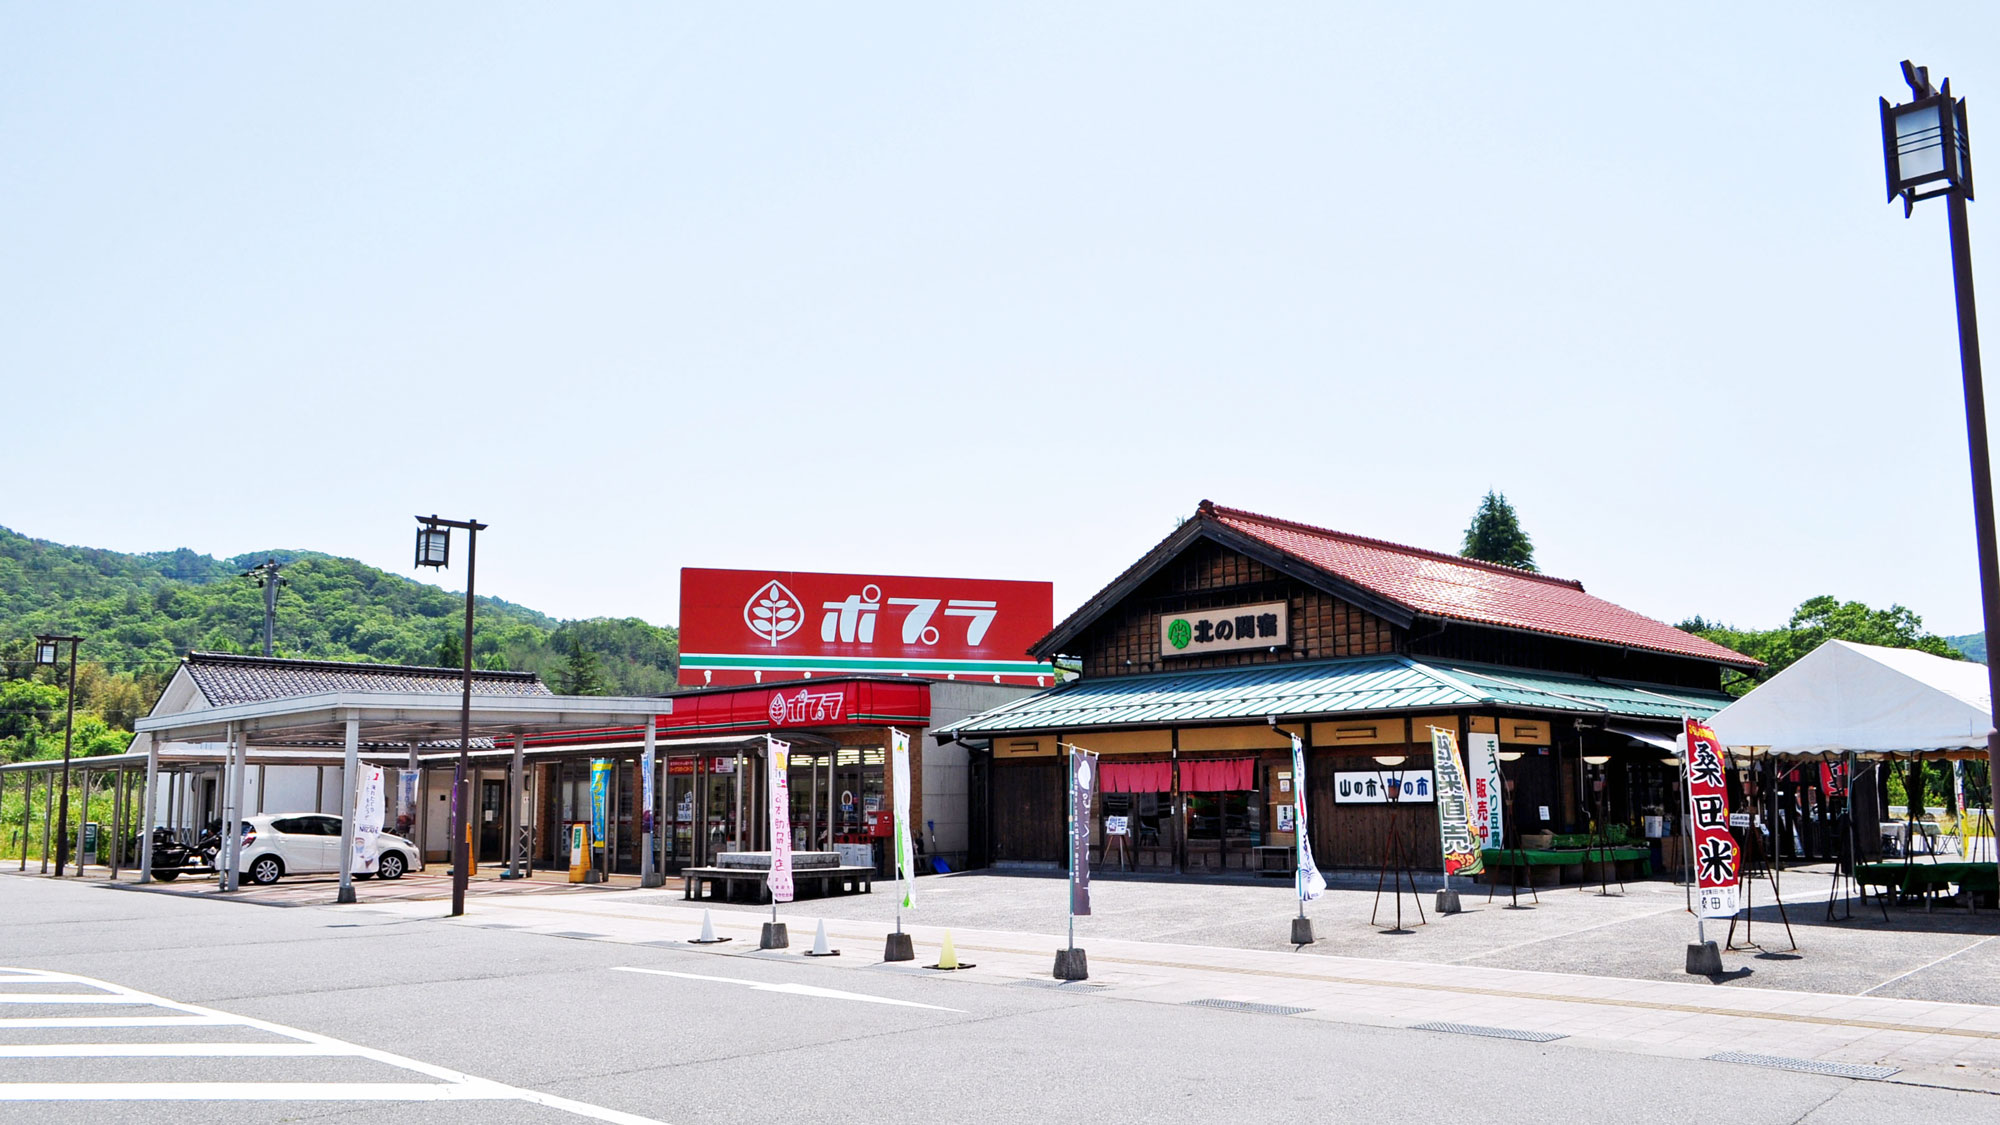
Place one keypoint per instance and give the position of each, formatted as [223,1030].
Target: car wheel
[166,876]
[390,866]
[265,869]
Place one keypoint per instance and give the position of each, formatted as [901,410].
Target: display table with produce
[1557,865]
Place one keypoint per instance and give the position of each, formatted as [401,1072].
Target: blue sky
[988,290]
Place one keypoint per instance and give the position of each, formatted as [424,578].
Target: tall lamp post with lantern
[1926,153]
[434,550]
[46,653]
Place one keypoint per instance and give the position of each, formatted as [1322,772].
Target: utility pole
[266,574]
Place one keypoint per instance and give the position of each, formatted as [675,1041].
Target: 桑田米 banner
[1461,846]
[1715,859]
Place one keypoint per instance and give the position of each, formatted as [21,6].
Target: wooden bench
[722,883]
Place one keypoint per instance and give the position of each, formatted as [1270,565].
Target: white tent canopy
[1844,697]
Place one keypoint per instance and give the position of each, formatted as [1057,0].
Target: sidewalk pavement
[1927,1043]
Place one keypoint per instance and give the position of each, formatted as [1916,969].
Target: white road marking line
[1927,965]
[792,989]
[164,1050]
[65,998]
[451,1084]
[253,1091]
[116,1021]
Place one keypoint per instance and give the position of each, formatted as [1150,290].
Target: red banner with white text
[1715,854]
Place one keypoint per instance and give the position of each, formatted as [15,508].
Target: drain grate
[1807,1066]
[1246,1006]
[1491,1032]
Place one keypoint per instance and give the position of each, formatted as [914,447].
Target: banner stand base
[899,948]
[654,880]
[593,876]
[1071,965]
[1704,959]
[345,896]
[1447,903]
[774,937]
[1302,931]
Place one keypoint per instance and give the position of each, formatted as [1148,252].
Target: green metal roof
[1331,687]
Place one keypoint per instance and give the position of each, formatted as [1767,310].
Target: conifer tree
[1495,535]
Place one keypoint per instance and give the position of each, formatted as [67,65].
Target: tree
[1495,535]
[1816,621]
[450,654]
[580,673]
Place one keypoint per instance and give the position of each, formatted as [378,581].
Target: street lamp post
[45,653]
[1926,153]
[434,550]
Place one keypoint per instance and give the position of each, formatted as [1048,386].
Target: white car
[280,844]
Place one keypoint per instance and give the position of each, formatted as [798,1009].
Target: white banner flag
[367,816]
[1483,763]
[1311,884]
[899,780]
[778,757]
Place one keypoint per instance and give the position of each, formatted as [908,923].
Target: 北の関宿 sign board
[742,626]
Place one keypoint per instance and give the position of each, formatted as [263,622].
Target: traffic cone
[707,932]
[948,955]
[820,947]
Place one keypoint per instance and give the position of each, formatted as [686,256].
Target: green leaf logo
[1179,632]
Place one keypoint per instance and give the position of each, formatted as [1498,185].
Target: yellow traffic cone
[948,955]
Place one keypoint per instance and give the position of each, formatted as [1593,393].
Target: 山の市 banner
[899,781]
[1082,780]
[1715,859]
[1311,884]
[1461,847]
[777,757]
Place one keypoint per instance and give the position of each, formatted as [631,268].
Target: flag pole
[1070,839]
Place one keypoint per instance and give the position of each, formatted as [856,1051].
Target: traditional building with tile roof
[1239,629]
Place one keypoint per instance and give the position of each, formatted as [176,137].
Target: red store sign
[745,626]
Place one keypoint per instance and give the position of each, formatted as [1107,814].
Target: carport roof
[390,718]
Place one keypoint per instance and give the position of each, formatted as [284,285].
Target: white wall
[947,769]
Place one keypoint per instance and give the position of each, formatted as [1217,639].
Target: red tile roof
[1441,585]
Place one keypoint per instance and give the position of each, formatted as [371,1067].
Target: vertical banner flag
[600,799]
[406,804]
[1311,884]
[1482,752]
[1461,847]
[1082,780]
[778,756]
[899,781]
[1716,892]
[647,768]
[367,816]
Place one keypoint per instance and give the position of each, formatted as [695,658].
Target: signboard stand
[1753,857]
[1397,858]
[1598,842]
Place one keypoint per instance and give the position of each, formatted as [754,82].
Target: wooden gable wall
[1126,641]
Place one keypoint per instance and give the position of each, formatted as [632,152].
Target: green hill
[1971,645]
[139,613]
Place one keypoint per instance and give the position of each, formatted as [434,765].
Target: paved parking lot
[1641,932]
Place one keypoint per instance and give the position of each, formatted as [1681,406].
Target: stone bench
[726,883]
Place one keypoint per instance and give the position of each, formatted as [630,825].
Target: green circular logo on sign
[1180,632]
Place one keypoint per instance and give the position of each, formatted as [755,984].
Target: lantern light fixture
[45,651]
[1511,755]
[1670,761]
[1597,759]
[1925,150]
[1391,759]
[433,545]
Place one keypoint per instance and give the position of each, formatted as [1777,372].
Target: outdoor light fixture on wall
[1390,759]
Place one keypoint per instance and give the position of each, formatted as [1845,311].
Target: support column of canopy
[232,822]
[517,789]
[350,770]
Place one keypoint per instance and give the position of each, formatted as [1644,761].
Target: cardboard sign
[1717,894]
[1122,826]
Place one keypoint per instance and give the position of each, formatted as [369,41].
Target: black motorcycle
[170,856]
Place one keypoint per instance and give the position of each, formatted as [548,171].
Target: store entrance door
[492,818]
[679,836]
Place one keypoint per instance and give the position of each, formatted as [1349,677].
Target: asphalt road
[765,1037]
